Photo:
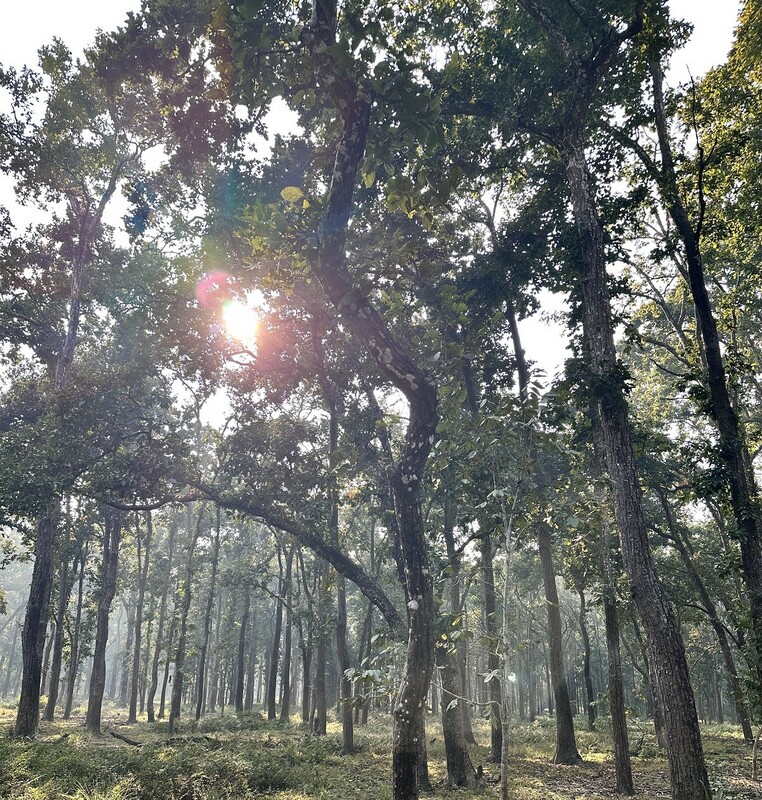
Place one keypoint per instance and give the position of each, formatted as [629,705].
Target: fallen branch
[126,739]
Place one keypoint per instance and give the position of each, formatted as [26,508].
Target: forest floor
[234,759]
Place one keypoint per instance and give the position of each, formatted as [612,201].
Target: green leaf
[369,178]
[291,194]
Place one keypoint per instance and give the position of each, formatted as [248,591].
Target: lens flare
[214,288]
[240,321]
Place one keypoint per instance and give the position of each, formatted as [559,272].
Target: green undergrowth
[238,758]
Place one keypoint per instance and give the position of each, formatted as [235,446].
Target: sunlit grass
[232,758]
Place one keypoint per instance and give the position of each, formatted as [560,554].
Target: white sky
[25,26]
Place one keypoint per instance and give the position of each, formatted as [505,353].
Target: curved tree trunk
[352,101]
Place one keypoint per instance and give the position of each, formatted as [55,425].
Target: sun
[241,321]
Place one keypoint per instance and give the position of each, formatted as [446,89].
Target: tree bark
[566,743]
[71,676]
[202,659]
[352,101]
[686,759]
[112,533]
[285,709]
[622,764]
[272,677]
[64,592]
[194,532]
[160,625]
[138,637]
[241,656]
[35,623]
[589,690]
[460,770]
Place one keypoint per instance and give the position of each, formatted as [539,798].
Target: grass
[226,758]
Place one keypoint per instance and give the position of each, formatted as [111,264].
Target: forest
[288,507]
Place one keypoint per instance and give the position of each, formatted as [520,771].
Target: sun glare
[240,321]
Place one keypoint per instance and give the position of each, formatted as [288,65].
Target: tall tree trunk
[688,776]
[64,592]
[160,624]
[493,659]
[285,709]
[36,623]
[319,700]
[272,677]
[566,743]
[241,661]
[589,690]
[305,641]
[622,765]
[71,677]
[49,637]
[744,491]
[216,668]
[142,579]
[112,534]
[460,770]
[124,658]
[457,615]
[88,215]
[194,531]
[143,681]
[201,679]
[352,101]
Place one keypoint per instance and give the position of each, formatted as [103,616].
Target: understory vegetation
[226,758]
